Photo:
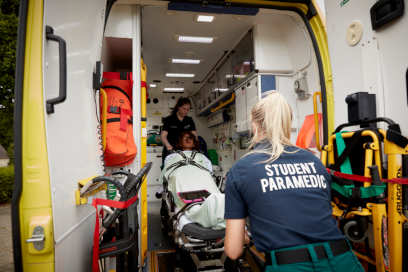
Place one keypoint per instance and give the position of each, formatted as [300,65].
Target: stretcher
[369,189]
[192,210]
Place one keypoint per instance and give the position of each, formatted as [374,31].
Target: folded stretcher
[192,209]
[369,170]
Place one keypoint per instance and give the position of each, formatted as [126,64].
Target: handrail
[316,119]
[223,104]
[62,45]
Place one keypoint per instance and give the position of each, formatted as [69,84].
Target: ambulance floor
[157,240]
[162,255]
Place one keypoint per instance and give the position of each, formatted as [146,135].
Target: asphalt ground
[6,251]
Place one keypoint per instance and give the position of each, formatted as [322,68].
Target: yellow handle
[224,103]
[316,119]
[104,116]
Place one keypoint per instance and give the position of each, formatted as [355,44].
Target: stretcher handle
[62,69]
[136,181]
[316,119]
[390,123]
[115,182]
[132,182]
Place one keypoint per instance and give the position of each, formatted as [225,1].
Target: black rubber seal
[18,111]
[109,5]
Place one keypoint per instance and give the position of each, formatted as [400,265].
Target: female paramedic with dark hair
[285,192]
[175,123]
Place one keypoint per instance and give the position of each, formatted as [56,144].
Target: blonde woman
[285,193]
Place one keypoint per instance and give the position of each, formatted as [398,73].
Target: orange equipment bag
[306,137]
[120,149]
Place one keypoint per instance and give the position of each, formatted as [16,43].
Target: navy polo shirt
[287,201]
[174,127]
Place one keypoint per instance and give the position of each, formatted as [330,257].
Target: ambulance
[342,66]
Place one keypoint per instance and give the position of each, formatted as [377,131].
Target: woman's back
[290,197]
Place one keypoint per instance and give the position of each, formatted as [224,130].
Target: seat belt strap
[345,166]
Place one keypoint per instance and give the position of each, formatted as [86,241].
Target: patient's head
[187,141]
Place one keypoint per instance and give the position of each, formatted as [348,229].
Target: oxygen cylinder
[111,191]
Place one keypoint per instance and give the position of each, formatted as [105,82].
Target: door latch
[37,238]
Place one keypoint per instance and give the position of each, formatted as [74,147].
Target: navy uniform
[288,205]
[174,128]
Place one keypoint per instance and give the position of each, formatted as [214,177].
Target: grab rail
[62,69]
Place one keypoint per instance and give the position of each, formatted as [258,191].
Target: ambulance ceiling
[160,28]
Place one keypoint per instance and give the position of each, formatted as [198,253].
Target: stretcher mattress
[210,214]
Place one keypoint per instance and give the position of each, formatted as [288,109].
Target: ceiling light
[179,75]
[153,85]
[235,76]
[221,89]
[186,61]
[195,39]
[205,18]
[180,90]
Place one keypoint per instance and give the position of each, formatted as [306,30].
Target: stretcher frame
[391,210]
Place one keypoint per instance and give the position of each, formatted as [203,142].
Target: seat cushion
[198,232]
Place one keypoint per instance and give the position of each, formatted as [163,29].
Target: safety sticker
[343,2]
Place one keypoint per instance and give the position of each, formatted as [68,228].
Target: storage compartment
[247,95]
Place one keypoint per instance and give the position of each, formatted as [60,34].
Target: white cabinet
[246,96]
[240,109]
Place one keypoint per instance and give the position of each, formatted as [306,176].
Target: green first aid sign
[344,2]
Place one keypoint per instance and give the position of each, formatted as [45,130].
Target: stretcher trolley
[370,192]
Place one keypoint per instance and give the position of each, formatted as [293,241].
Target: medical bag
[120,148]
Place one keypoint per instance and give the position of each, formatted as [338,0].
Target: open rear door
[367,43]
[56,133]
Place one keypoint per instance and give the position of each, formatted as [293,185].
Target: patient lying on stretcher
[188,182]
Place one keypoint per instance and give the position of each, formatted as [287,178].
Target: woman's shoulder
[168,117]
[297,153]
[300,151]
[248,160]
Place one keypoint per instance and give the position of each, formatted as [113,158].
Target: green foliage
[8,43]
[6,183]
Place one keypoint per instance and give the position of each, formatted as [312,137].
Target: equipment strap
[185,161]
[350,191]
[344,161]
[184,208]
[396,137]
[117,89]
[124,114]
[344,151]
[110,203]
[402,181]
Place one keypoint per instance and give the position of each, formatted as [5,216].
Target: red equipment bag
[120,147]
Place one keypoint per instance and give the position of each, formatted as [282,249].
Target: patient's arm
[234,238]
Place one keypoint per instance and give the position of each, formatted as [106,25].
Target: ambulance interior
[240,54]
